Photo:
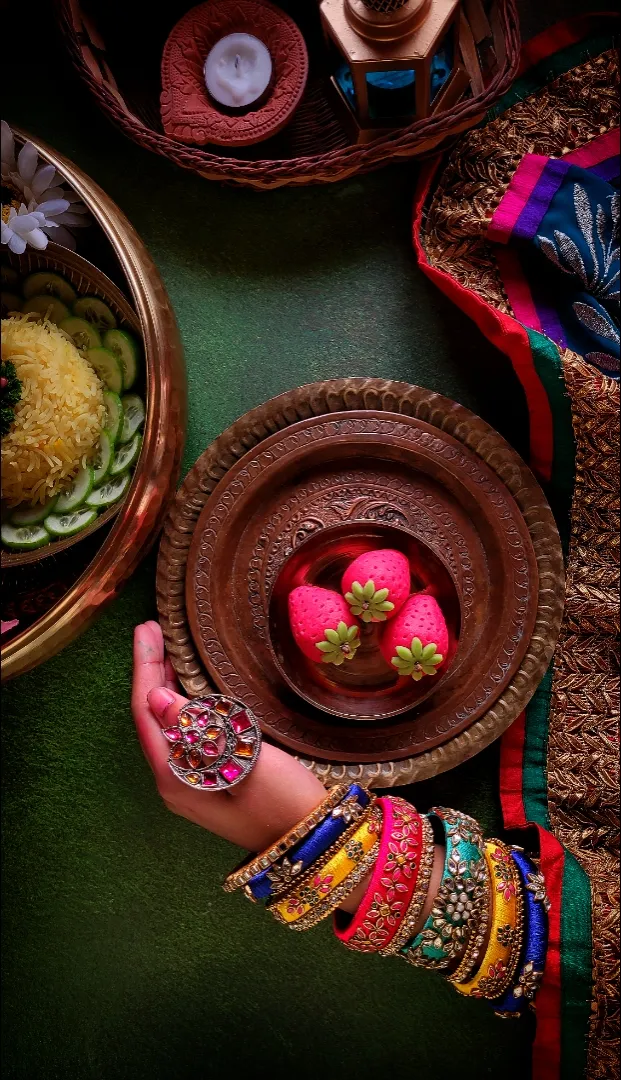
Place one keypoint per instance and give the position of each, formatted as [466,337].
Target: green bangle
[446,932]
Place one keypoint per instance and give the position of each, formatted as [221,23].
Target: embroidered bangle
[242,874]
[497,969]
[394,878]
[447,929]
[469,962]
[315,888]
[532,960]
[302,855]
[301,881]
[419,893]
[336,897]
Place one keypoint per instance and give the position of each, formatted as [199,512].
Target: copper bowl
[367,688]
[86,280]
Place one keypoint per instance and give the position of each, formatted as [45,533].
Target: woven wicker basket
[117,51]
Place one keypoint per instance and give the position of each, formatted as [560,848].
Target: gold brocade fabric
[563,116]
[583,739]
[583,748]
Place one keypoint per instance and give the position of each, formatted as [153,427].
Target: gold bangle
[501,958]
[318,885]
[240,876]
[412,916]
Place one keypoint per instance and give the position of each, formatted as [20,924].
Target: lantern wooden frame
[374,50]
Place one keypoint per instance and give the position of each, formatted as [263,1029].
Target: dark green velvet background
[122,958]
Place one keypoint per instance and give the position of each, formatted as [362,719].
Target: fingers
[149,673]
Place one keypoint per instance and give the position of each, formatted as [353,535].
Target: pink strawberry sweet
[322,625]
[377,584]
[416,641]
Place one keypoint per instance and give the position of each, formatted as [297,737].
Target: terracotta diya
[300,503]
[190,113]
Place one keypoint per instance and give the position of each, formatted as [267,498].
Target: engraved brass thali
[379,455]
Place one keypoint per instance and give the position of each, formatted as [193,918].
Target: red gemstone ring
[215,743]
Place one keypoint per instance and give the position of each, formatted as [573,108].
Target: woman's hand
[277,794]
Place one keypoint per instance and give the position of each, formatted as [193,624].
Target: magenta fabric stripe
[597,151]
[525,179]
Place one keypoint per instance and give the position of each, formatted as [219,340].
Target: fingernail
[159,700]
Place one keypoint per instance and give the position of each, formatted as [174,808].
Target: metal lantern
[392,61]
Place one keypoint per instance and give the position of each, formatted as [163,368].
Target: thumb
[165,705]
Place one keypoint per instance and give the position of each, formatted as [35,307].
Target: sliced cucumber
[114,414]
[25,537]
[126,456]
[10,303]
[108,367]
[75,495]
[125,347]
[109,492]
[48,307]
[62,525]
[51,284]
[95,311]
[83,333]
[103,457]
[9,277]
[133,416]
[32,515]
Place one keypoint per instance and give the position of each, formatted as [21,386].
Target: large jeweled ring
[215,743]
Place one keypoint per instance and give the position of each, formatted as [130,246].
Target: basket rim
[338,163]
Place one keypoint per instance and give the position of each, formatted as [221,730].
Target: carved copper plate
[380,395]
[344,469]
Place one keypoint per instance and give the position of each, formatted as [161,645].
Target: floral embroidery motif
[354,850]
[528,982]
[488,985]
[460,828]
[454,907]
[322,884]
[503,873]
[504,934]
[565,254]
[281,875]
[390,901]
[350,809]
[602,280]
[536,884]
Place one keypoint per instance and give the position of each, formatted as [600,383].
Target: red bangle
[392,884]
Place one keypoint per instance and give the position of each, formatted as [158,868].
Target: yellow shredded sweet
[59,417]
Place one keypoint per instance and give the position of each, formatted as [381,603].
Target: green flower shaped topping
[339,644]
[417,661]
[364,601]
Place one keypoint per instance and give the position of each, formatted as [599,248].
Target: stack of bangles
[486,930]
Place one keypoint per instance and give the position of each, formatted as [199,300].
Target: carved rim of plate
[403,399]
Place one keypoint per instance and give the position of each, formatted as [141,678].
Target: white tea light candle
[238,70]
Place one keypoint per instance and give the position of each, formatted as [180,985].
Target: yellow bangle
[498,966]
[318,889]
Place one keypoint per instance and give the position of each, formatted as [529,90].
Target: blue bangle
[312,847]
[455,909]
[533,957]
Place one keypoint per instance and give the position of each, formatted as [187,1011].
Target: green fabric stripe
[534,775]
[549,367]
[549,69]
[576,969]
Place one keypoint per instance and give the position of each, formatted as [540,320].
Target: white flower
[30,228]
[41,193]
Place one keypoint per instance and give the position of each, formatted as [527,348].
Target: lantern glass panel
[391,93]
[345,83]
[442,63]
